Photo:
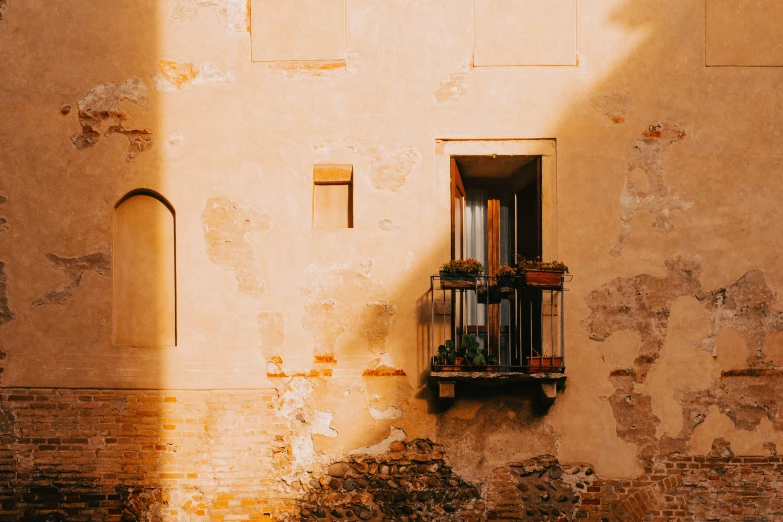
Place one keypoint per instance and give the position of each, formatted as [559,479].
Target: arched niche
[144,271]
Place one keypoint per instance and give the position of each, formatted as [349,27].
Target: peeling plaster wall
[103,103]
[339,301]
[74,269]
[667,189]
[228,229]
[6,314]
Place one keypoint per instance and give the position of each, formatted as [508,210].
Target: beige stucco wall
[657,156]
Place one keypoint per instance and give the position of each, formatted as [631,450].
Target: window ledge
[445,383]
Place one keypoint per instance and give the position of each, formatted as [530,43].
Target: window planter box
[466,368]
[447,368]
[483,369]
[542,278]
[451,281]
[545,364]
[458,366]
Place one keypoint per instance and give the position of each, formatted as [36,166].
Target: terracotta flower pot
[543,278]
[545,364]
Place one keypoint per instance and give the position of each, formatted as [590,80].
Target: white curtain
[476,245]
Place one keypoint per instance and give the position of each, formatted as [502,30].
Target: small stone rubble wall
[410,482]
[539,489]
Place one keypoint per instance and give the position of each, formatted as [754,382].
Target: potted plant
[488,294]
[545,363]
[505,277]
[460,273]
[474,353]
[541,273]
[449,358]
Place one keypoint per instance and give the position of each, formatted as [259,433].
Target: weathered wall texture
[297,387]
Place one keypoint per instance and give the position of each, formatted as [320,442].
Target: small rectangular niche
[333,196]
[297,30]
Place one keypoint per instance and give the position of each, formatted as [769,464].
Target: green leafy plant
[462,266]
[524,263]
[447,353]
[474,353]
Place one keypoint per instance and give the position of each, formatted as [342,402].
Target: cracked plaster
[4,227]
[614,105]
[746,306]
[389,169]
[395,435]
[292,69]
[645,189]
[174,76]
[233,15]
[6,314]
[671,315]
[102,104]
[387,225]
[454,86]
[271,329]
[228,233]
[340,300]
[74,268]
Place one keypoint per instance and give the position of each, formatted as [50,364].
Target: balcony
[517,326]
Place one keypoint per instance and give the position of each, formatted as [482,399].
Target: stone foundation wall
[409,482]
[118,455]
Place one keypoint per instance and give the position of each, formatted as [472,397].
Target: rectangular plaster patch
[301,30]
[744,33]
[524,32]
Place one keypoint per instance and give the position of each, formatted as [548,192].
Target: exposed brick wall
[113,455]
[683,488]
[81,455]
[674,489]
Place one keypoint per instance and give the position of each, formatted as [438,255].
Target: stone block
[446,389]
[330,173]
[744,33]
[524,32]
[297,30]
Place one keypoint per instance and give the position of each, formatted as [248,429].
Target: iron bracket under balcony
[446,384]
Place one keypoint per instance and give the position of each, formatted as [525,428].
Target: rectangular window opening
[496,213]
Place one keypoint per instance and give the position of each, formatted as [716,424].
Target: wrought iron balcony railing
[518,325]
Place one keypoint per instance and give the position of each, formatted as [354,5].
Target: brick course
[676,489]
[113,455]
[121,455]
